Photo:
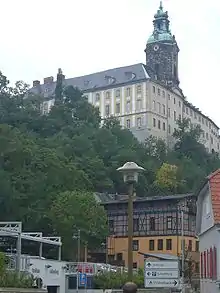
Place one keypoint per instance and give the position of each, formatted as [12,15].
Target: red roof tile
[214,181]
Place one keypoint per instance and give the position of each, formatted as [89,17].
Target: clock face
[156,47]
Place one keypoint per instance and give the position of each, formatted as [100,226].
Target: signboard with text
[82,279]
[161,274]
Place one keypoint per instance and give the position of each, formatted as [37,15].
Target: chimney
[48,79]
[36,83]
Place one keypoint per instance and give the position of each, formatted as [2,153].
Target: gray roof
[120,198]
[162,256]
[99,80]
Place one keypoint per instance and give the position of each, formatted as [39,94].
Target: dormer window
[110,79]
[86,82]
[130,75]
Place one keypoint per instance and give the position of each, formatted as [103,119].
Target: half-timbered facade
[157,226]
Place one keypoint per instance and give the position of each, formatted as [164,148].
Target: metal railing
[12,262]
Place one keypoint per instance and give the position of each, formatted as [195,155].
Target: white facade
[55,274]
[209,239]
[147,108]
[52,272]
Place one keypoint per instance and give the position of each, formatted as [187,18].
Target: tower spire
[162,49]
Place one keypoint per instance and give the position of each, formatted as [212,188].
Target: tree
[59,88]
[166,177]
[188,141]
[190,275]
[76,210]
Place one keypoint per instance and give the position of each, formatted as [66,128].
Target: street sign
[161,264]
[158,283]
[82,280]
[163,274]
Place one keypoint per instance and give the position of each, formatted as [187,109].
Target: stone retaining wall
[21,290]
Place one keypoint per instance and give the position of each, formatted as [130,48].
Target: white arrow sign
[158,283]
[162,274]
[161,265]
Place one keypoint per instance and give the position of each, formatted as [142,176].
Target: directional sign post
[170,283]
[160,274]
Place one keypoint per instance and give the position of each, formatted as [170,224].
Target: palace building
[146,98]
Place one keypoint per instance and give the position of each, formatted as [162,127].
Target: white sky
[85,36]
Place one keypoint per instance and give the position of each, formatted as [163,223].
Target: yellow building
[157,227]
[146,98]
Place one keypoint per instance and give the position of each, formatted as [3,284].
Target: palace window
[117,110]
[169,223]
[151,245]
[139,122]
[135,245]
[169,244]
[117,93]
[107,110]
[97,97]
[190,245]
[128,92]
[158,124]
[164,126]
[160,244]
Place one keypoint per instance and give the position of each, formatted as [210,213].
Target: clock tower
[162,51]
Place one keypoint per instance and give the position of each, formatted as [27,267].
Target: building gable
[205,219]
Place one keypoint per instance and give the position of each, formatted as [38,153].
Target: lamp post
[183,250]
[78,236]
[130,172]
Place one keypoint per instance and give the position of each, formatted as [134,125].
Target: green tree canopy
[78,210]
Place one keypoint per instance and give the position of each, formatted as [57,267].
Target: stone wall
[21,290]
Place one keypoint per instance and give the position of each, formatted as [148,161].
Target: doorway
[52,289]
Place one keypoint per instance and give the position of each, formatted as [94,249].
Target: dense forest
[51,164]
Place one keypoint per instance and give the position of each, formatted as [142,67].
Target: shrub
[11,279]
[115,280]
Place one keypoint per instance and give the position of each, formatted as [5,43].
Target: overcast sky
[85,36]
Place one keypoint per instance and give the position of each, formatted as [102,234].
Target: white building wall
[157,103]
[52,272]
[210,239]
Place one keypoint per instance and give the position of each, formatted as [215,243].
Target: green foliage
[76,210]
[166,177]
[2,263]
[10,279]
[116,280]
[51,164]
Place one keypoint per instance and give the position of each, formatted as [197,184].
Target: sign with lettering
[161,274]
[85,268]
[35,271]
[82,280]
[54,272]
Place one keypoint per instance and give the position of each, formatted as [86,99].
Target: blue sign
[82,279]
